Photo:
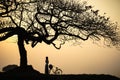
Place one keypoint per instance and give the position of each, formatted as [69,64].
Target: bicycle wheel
[58,72]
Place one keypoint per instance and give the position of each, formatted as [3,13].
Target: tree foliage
[55,20]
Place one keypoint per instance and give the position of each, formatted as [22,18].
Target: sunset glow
[86,58]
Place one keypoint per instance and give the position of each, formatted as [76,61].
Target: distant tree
[49,21]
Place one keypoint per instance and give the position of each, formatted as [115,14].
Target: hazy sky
[87,58]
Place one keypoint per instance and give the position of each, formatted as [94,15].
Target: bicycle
[55,70]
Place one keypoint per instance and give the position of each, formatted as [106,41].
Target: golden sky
[86,58]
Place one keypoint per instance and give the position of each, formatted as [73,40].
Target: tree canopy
[55,20]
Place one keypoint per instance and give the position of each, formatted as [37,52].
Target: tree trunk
[22,51]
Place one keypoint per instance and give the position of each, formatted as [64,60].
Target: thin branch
[77,36]
[59,45]
[21,15]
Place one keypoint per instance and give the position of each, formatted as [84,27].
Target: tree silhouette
[49,21]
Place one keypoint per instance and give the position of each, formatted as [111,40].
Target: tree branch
[7,35]
[77,36]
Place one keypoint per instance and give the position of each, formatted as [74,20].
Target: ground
[28,73]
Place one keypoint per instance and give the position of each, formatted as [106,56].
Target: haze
[85,58]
